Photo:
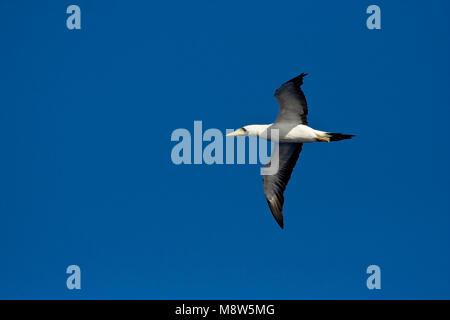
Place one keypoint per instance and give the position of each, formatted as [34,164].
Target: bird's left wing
[274,185]
[292,102]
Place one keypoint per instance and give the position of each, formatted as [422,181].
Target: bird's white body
[286,132]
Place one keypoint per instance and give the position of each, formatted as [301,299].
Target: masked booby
[292,127]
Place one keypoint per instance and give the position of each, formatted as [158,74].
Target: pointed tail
[334,136]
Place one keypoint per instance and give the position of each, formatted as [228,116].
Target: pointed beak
[235,133]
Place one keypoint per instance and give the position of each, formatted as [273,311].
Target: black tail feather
[339,136]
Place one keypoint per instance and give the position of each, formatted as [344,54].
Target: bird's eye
[243,129]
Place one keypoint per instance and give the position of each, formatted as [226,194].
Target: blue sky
[86,176]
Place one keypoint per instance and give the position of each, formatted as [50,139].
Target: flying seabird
[293,130]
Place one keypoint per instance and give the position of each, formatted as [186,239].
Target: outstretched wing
[274,185]
[292,102]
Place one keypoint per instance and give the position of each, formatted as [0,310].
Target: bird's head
[239,132]
[254,130]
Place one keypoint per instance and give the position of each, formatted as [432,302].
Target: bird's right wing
[274,185]
[292,102]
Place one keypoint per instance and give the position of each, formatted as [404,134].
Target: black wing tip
[280,223]
[277,213]
[279,220]
[298,80]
